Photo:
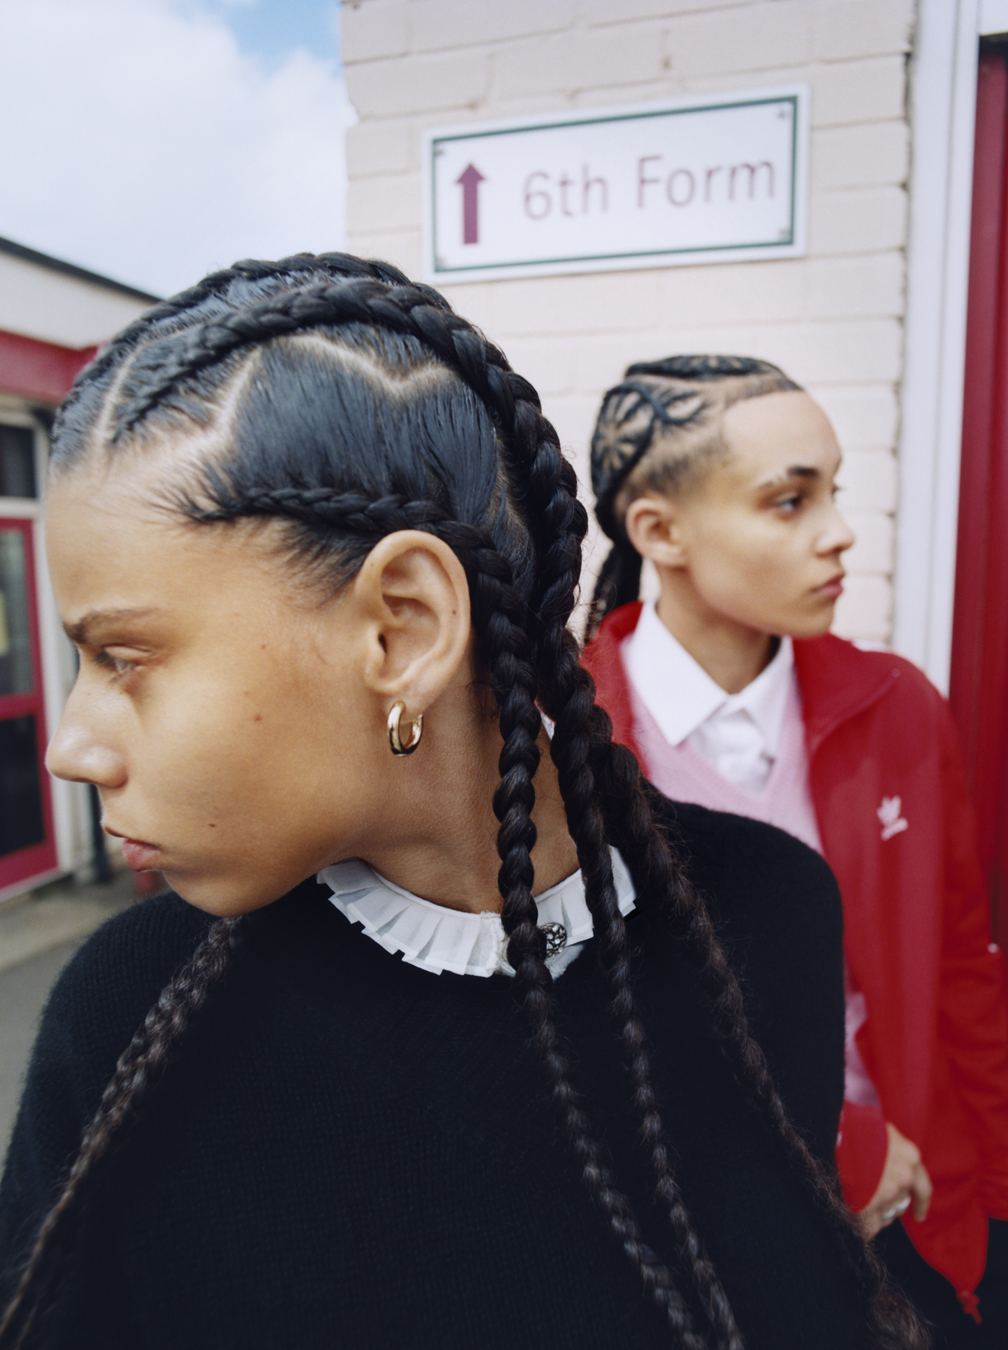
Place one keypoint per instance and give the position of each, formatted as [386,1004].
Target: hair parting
[335,340]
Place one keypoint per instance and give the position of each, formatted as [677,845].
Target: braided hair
[656,428]
[351,403]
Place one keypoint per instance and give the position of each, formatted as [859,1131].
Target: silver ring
[894,1211]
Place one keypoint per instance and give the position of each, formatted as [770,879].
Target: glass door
[27,846]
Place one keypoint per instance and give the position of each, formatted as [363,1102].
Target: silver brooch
[556,938]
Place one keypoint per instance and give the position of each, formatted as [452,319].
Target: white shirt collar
[436,938]
[681,696]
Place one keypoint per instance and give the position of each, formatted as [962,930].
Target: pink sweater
[682,773]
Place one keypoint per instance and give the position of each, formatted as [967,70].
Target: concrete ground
[38,935]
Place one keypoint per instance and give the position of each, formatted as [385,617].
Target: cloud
[138,140]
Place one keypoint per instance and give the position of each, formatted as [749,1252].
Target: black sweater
[352,1152]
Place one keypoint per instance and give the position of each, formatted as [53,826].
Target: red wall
[40,371]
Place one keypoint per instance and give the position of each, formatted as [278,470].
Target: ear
[653,526]
[413,596]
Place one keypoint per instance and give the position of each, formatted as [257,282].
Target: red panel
[39,370]
[979,673]
[29,862]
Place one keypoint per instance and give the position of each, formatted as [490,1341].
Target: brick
[477,302]
[594,302]
[858,91]
[865,609]
[860,156]
[865,415]
[624,11]
[874,538]
[868,480]
[735,293]
[380,205]
[372,28]
[857,221]
[574,417]
[600,359]
[548,364]
[402,248]
[836,353]
[847,92]
[578,60]
[855,287]
[382,147]
[848,28]
[752,37]
[421,84]
[439,24]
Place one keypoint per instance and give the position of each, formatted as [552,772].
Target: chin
[814,625]
[219,896]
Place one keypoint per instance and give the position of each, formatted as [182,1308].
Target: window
[17,462]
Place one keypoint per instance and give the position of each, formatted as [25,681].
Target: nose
[837,536]
[79,753]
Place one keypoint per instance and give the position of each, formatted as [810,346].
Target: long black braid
[172,367]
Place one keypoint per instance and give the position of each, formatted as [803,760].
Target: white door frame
[943,77]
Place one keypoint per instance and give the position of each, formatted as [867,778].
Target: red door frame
[41,372]
[979,671]
[29,862]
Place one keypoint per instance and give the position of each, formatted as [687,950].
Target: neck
[731,654]
[441,843]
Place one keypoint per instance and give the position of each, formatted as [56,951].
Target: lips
[138,855]
[832,589]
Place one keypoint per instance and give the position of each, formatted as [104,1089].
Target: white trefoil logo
[889,813]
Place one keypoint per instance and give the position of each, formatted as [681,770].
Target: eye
[118,665]
[790,503]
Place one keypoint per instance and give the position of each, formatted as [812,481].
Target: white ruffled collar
[436,938]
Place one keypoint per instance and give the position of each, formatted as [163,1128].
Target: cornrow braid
[505,650]
[138,1072]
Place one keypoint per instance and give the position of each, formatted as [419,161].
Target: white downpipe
[943,112]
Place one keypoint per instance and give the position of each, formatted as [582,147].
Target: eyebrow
[97,618]
[792,471]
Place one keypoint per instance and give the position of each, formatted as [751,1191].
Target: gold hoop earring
[394,739]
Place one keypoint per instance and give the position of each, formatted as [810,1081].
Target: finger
[895,1210]
[922,1191]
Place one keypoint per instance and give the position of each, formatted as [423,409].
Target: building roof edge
[31,255]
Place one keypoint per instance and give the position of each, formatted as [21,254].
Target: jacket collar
[837,682]
[835,679]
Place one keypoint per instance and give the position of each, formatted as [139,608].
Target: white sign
[698,180]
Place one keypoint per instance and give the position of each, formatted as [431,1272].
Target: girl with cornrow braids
[720,471]
[318,549]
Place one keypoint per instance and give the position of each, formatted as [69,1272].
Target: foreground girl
[317,548]
[721,471]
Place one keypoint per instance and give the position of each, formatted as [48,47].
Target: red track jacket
[898,830]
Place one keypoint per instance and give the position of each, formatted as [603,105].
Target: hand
[904,1181]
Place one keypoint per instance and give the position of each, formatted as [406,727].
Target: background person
[312,698]
[721,471]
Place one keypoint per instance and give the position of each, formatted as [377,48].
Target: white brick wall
[833,320]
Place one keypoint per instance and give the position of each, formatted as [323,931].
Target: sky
[155,140]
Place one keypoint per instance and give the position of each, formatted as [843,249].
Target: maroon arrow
[470,179]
